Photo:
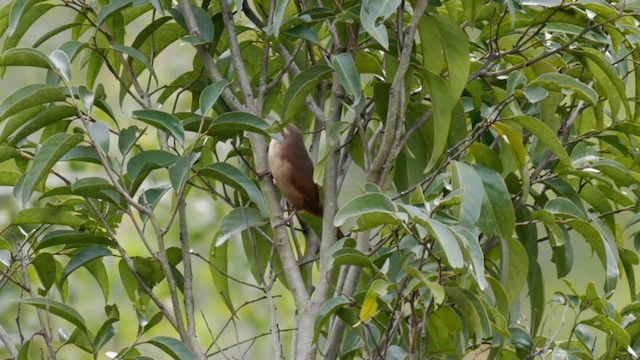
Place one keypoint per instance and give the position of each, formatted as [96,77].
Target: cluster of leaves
[485,130]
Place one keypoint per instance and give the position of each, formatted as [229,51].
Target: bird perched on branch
[292,170]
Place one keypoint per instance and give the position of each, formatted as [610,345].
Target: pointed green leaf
[46,216]
[349,78]
[301,86]
[564,208]
[545,135]
[237,220]
[500,206]
[210,95]
[163,121]
[447,240]
[114,7]
[137,55]
[237,121]
[218,266]
[72,239]
[281,6]
[608,79]
[373,14]
[149,160]
[61,63]
[611,328]
[364,205]
[561,83]
[45,265]
[18,127]
[232,176]
[17,9]
[52,150]
[82,257]
[59,309]
[436,289]
[25,57]
[173,347]
[127,139]
[445,45]
[27,97]
[441,105]
[601,247]
[179,172]
[467,180]
[327,310]
[100,135]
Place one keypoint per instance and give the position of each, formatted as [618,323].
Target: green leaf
[82,258]
[301,86]
[18,127]
[564,208]
[203,20]
[281,6]
[348,74]
[218,266]
[232,176]
[545,135]
[45,265]
[151,197]
[445,45]
[172,347]
[51,152]
[149,160]
[17,9]
[606,77]
[161,120]
[562,83]
[137,55]
[127,139]
[365,205]
[98,270]
[72,239]
[500,208]
[61,63]
[106,332]
[114,6]
[46,216]
[471,310]
[441,104]
[447,240]
[210,95]
[237,121]
[27,97]
[25,57]
[601,247]
[373,14]
[475,250]
[326,311]
[437,290]
[100,135]
[517,269]
[466,179]
[237,220]
[179,172]
[59,309]
[611,328]
[351,256]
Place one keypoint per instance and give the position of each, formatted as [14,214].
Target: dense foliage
[453,141]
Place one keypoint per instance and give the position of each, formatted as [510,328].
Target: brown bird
[292,169]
